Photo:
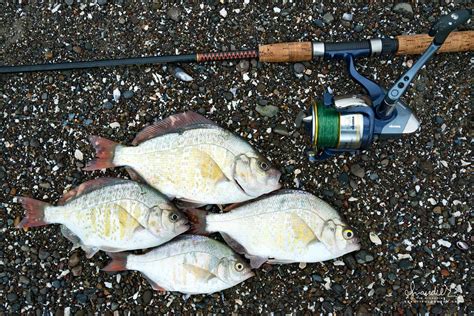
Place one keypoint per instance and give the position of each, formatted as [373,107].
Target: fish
[109,214]
[189,264]
[190,158]
[284,227]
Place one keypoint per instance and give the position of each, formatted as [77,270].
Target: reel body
[350,123]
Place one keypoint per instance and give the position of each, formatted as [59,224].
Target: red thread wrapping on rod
[227,55]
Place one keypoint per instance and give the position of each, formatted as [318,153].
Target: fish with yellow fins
[111,215]
[284,227]
[188,157]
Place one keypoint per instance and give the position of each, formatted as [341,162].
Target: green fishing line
[328,127]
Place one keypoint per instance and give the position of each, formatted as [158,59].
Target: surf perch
[188,157]
[285,227]
[109,214]
[188,264]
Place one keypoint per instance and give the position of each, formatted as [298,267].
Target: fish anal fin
[135,176]
[231,207]
[153,284]
[76,241]
[233,244]
[256,261]
[188,204]
[169,125]
[88,187]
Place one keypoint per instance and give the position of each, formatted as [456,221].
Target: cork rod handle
[285,52]
[416,44]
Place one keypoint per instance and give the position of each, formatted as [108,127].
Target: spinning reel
[350,123]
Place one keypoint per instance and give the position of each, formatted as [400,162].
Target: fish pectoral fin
[154,285]
[302,232]
[199,273]
[209,169]
[256,261]
[235,245]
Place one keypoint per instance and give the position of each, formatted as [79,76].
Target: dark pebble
[108,105]
[12,297]
[228,95]
[147,296]
[298,68]
[43,254]
[405,264]
[128,94]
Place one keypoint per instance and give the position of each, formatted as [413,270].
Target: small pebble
[174,14]
[357,170]
[328,18]
[281,130]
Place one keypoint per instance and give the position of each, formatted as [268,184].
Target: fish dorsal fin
[87,187]
[170,124]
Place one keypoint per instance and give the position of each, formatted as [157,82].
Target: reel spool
[350,123]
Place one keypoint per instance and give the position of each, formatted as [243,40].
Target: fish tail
[118,263]
[34,212]
[104,151]
[197,218]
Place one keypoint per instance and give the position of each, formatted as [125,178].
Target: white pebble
[246,77]
[116,94]
[302,265]
[223,12]
[347,16]
[108,285]
[444,243]
[375,239]
[432,201]
[78,155]
[276,10]
[115,125]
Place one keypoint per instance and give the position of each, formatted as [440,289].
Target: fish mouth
[240,187]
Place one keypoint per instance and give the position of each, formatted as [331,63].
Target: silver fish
[188,157]
[284,227]
[111,215]
[188,264]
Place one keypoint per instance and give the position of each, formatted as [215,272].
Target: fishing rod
[336,124]
[278,52]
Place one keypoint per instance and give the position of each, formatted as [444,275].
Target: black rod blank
[100,63]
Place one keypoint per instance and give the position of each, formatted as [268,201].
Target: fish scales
[191,264]
[290,226]
[113,215]
[188,157]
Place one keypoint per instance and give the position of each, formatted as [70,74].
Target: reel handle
[440,30]
[448,23]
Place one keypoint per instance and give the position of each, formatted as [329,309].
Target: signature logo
[440,294]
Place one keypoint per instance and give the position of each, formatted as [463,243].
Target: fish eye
[239,266]
[264,165]
[347,234]
[173,217]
